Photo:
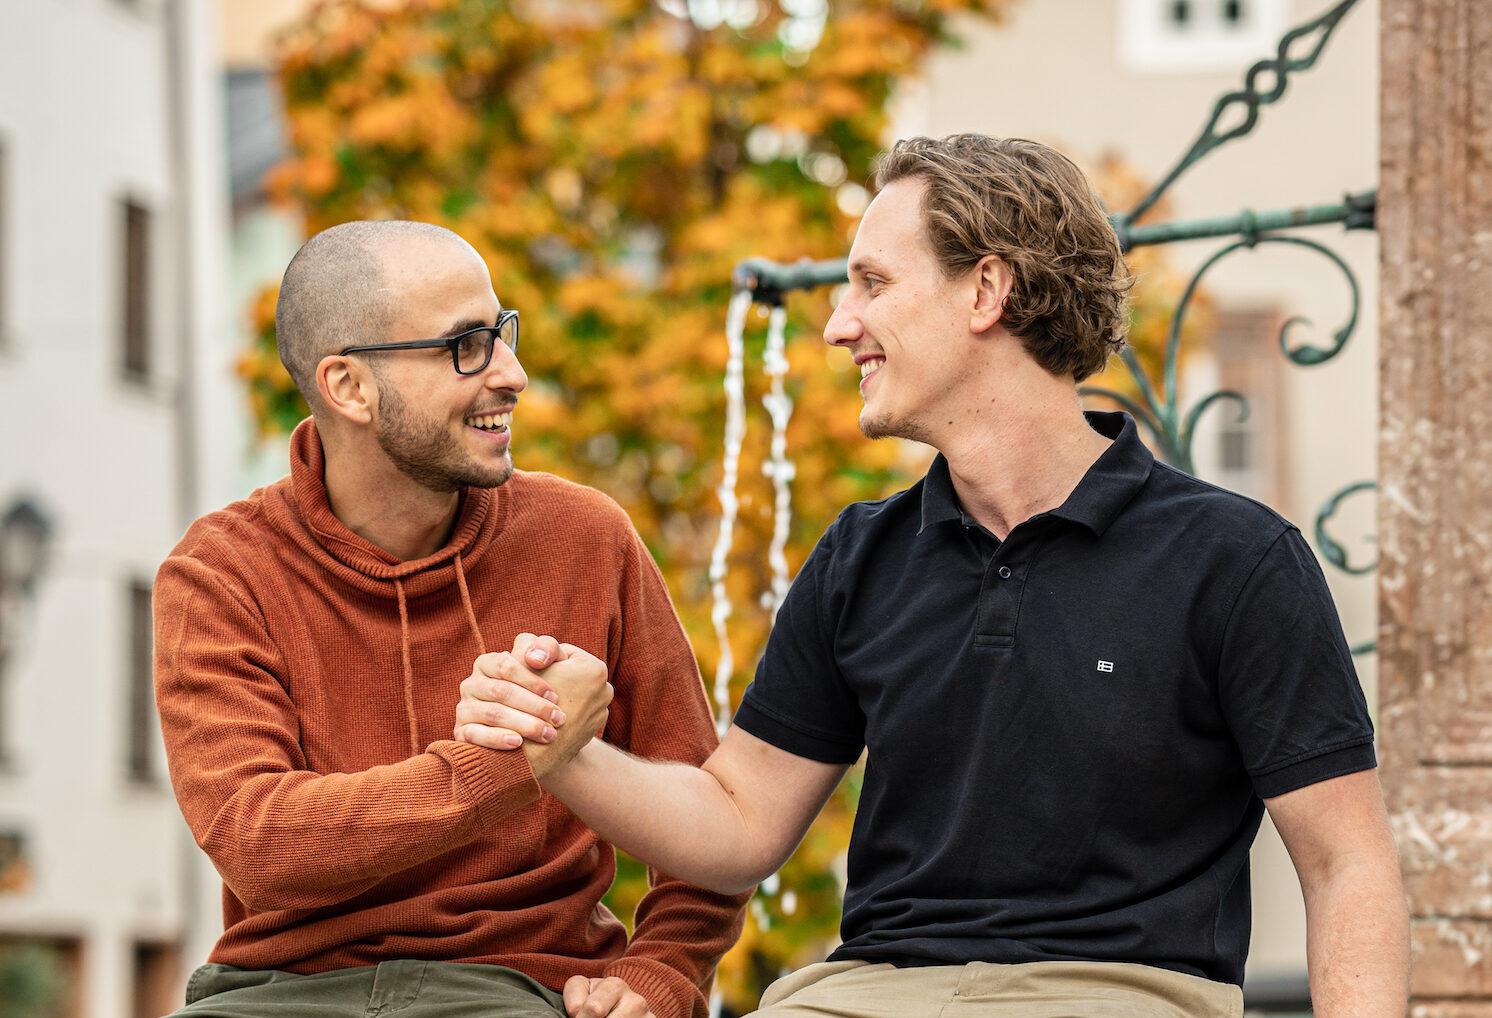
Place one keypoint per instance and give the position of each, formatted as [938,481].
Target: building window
[4,247]
[1197,36]
[141,738]
[135,312]
[1250,456]
[157,972]
[1233,448]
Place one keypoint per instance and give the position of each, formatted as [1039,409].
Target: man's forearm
[677,818]
[1357,943]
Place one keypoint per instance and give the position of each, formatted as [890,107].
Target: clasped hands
[505,704]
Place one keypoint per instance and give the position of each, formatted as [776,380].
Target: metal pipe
[771,281]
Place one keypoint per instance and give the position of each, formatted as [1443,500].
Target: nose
[844,327]
[504,371]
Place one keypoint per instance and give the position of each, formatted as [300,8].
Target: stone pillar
[1435,501]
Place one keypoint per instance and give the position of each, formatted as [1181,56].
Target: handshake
[507,705]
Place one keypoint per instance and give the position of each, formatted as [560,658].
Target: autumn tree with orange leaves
[612,160]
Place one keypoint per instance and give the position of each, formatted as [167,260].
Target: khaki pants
[1052,989]
[414,989]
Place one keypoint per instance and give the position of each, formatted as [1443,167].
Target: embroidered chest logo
[1105,666]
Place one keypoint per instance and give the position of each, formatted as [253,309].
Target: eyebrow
[465,325]
[861,266]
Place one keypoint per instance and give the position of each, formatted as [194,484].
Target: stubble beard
[423,450]
[885,425]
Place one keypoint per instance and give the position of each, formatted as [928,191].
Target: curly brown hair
[1034,208]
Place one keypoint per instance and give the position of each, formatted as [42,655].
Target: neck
[381,505]
[1011,462]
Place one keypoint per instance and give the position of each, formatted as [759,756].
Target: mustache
[501,408]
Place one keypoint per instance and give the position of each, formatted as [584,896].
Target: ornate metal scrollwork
[1251,97]
[1160,413]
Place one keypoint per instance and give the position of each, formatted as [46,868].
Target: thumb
[577,989]
[537,651]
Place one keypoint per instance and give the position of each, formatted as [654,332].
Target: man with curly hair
[1079,677]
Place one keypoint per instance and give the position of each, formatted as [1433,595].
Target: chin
[885,425]
[494,476]
[879,425]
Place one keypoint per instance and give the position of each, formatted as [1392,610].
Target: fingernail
[548,734]
[537,656]
[558,717]
[513,741]
[551,696]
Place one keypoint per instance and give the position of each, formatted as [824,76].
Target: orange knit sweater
[307,683]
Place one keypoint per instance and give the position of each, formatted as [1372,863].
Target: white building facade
[118,415]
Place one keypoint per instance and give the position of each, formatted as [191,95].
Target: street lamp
[25,539]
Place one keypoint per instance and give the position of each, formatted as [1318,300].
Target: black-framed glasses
[471,351]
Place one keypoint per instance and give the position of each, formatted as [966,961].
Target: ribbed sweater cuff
[497,782]
[668,991]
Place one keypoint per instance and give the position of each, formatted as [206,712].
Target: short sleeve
[1286,681]
[799,701]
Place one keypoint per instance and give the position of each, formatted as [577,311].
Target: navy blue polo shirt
[1068,733]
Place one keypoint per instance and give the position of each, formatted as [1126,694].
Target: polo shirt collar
[1096,502]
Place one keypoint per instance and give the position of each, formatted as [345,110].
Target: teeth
[505,419]
[490,422]
[866,367]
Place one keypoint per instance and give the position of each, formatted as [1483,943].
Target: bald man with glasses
[314,639]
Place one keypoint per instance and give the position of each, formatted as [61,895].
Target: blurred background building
[118,410]
[134,232]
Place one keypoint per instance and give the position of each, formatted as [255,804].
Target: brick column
[1435,501]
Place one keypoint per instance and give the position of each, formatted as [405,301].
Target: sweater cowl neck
[305,514]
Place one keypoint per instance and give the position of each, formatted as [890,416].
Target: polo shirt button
[1004,572]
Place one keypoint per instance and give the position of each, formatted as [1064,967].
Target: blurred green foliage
[32,980]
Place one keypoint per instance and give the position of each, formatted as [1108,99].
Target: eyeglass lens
[474,351]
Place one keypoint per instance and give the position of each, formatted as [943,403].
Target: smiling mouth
[870,366]
[492,423]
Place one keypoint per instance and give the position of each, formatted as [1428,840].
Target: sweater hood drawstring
[404,654]
[405,651]
[471,615]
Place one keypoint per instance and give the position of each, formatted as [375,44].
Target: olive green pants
[1049,989]
[411,989]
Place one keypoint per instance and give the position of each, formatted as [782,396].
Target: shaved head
[337,293]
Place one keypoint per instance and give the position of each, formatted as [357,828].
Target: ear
[993,281]
[347,389]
